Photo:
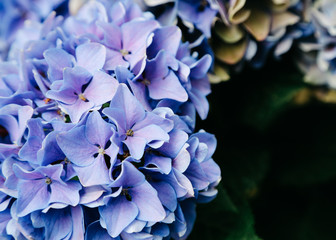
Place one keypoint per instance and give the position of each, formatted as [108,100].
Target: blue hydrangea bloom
[197,14]
[97,118]
[240,33]
[318,53]
[14,13]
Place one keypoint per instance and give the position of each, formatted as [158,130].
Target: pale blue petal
[91,56]
[118,214]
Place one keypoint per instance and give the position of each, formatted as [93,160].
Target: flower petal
[33,195]
[94,174]
[57,59]
[136,146]
[67,193]
[91,56]
[125,101]
[75,146]
[146,199]
[118,214]
[101,88]
[95,232]
[97,131]
[129,176]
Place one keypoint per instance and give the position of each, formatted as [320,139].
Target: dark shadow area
[277,156]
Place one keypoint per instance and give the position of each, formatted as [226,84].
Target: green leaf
[75,178]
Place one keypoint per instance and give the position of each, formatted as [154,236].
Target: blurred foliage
[277,152]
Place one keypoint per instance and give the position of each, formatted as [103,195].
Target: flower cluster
[197,14]
[242,31]
[14,13]
[248,32]
[97,118]
[318,53]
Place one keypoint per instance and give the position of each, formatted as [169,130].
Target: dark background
[277,152]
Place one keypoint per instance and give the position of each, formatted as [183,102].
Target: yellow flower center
[124,52]
[81,97]
[48,180]
[146,82]
[130,133]
[101,151]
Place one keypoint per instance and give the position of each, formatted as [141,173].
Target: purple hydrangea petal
[11,181]
[182,160]
[66,223]
[34,142]
[135,226]
[11,126]
[96,232]
[189,210]
[32,197]
[129,176]
[141,94]
[99,176]
[135,35]
[200,102]
[201,17]
[179,226]
[91,194]
[168,87]
[151,133]
[118,214]
[153,118]
[200,69]
[50,151]
[166,38]
[78,110]
[197,176]
[57,59]
[26,174]
[211,170]
[77,223]
[65,96]
[97,131]
[51,171]
[67,193]
[160,163]
[114,60]
[58,228]
[136,146]
[112,35]
[75,146]
[177,139]
[75,78]
[180,183]
[24,114]
[124,101]
[91,56]
[166,195]
[161,230]
[101,89]
[125,11]
[209,140]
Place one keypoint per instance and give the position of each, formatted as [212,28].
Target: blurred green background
[277,152]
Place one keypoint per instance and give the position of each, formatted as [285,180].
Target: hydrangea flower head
[318,58]
[14,13]
[197,14]
[97,118]
[239,31]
